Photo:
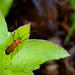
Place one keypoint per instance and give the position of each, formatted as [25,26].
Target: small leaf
[5,6]
[3,29]
[34,53]
[21,31]
[8,72]
[72,3]
[23,73]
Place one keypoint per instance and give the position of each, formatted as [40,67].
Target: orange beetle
[12,46]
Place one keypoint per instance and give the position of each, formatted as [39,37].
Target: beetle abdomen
[10,48]
[6,52]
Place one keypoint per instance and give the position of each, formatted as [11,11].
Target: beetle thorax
[17,41]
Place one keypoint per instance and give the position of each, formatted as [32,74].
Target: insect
[14,44]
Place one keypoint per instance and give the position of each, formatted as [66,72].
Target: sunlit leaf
[8,72]
[5,6]
[3,29]
[34,53]
[22,31]
[72,3]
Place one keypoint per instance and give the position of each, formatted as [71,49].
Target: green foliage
[5,6]
[3,29]
[9,72]
[72,3]
[22,31]
[34,53]
[72,19]
[30,54]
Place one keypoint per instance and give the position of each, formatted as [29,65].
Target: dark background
[50,20]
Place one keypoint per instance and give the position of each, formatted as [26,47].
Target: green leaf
[72,29]
[5,6]
[23,73]
[22,32]
[8,72]
[34,53]
[3,29]
[72,3]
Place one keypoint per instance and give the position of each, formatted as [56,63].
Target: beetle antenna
[25,34]
[16,27]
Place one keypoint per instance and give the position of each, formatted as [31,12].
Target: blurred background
[52,20]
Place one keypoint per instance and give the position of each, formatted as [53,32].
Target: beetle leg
[13,35]
[17,48]
[7,46]
[11,55]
